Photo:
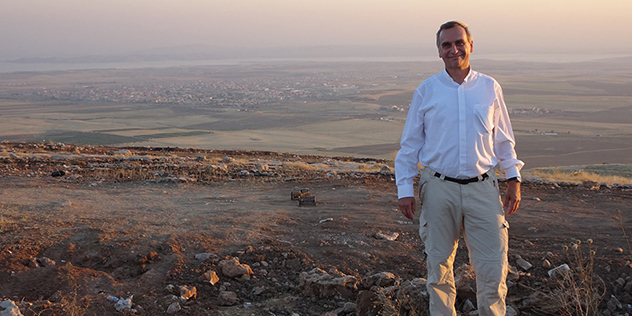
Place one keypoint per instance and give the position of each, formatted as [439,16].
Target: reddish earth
[113,229]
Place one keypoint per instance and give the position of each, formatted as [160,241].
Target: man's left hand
[512,197]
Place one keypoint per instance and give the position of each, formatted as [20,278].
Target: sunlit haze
[44,28]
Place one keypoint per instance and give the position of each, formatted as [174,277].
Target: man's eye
[445,45]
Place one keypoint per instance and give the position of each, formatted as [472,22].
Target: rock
[559,270]
[468,306]
[325,220]
[319,283]
[209,276]
[257,290]
[513,274]
[9,309]
[391,237]
[465,281]
[546,264]
[228,298]
[621,282]
[367,304]
[413,293]
[232,268]
[228,159]
[614,304]
[511,311]
[244,173]
[524,264]
[188,292]
[33,263]
[174,308]
[546,304]
[262,167]
[46,262]
[122,152]
[537,199]
[123,305]
[58,173]
[349,307]
[386,170]
[205,256]
[382,279]
[200,158]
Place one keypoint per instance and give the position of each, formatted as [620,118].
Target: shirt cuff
[512,172]
[405,190]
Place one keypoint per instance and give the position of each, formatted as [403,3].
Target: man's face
[454,48]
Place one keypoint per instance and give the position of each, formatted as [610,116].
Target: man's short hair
[451,24]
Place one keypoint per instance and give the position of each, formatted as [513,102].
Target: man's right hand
[407,207]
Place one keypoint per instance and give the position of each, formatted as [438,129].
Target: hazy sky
[46,28]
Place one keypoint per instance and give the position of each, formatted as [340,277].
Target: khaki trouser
[447,207]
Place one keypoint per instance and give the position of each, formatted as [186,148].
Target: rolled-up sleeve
[407,157]
[504,140]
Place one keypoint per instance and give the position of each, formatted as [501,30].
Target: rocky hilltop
[91,230]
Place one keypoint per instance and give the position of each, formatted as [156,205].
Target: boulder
[210,277]
[228,298]
[9,309]
[187,292]
[174,308]
[319,283]
[233,269]
[381,279]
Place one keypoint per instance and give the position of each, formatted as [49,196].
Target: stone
[367,304]
[513,274]
[174,308]
[465,281]
[228,298]
[233,269]
[205,256]
[413,293]
[58,173]
[524,264]
[46,262]
[546,264]
[319,283]
[614,304]
[389,237]
[511,311]
[209,276]
[123,305]
[188,292]
[349,307]
[258,290]
[559,270]
[546,304]
[122,152]
[621,282]
[9,309]
[468,306]
[381,279]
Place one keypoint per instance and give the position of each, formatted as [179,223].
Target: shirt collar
[470,76]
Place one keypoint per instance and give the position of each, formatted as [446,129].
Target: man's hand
[407,207]
[512,197]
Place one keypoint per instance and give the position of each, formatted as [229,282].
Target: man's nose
[453,48]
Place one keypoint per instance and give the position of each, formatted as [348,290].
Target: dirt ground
[120,232]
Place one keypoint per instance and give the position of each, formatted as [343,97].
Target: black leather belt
[463,181]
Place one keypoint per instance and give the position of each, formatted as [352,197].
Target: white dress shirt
[459,130]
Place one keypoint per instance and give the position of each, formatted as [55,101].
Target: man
[458,128]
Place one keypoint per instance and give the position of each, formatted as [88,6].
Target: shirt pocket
[484,114]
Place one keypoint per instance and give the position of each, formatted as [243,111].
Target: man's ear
[471,46]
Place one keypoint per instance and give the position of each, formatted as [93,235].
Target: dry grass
[578,175]
[580,291]
[299,165]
